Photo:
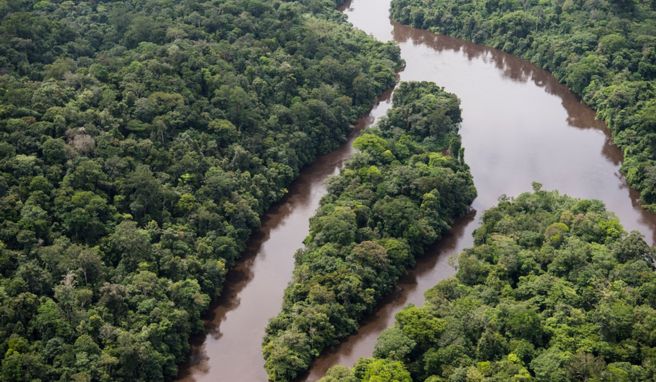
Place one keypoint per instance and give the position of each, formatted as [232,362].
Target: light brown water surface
[519,125]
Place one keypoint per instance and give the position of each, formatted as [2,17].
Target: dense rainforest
[603,50]
[140,142]
[553,290]
[397,195]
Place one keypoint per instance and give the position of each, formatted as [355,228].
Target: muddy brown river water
[519,125]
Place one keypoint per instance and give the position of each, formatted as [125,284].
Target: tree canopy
[554,290]
[396,196]
[140,142]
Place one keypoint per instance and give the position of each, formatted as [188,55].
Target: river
[519,125]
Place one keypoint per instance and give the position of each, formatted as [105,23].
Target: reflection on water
[519,125]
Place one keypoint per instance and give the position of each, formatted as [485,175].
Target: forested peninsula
[397,195]
[140,142]
[553,290]
[603,50]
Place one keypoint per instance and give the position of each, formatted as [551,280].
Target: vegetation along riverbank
[395,197]
[553,290]
[140,142]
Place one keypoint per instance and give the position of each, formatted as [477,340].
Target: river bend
[519,125]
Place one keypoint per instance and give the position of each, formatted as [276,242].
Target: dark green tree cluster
[603,50]
[398,195]
[554,290]
[140,142]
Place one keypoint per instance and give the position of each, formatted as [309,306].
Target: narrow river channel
[519,125]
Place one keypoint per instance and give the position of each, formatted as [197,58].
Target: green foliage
[382,370]
[604,50]
[140,142]
[579,309]
[396,196]
[394,344]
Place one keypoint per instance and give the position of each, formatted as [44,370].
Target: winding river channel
[519,125]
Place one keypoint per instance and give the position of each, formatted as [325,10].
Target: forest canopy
[603,50]
[140,142]
[400,193]
[554,290]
